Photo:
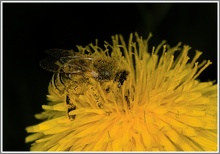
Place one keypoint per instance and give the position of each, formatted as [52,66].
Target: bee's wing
[76,64]
[57,53]
[56,59]
[50,64]
[69,58]
[64,61]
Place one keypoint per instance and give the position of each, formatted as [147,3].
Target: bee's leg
[70,107]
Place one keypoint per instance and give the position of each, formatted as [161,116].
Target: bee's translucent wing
[50,64]
[68,58]
[62,65]
[65,61]
[57,53]
[54,62]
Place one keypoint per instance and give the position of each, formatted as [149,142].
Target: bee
[68,64]
[73,71]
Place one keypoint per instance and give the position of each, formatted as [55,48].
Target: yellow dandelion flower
[127,98]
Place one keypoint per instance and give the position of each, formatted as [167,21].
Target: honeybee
[72,71]
[69,63]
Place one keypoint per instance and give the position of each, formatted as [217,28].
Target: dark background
[29,29]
